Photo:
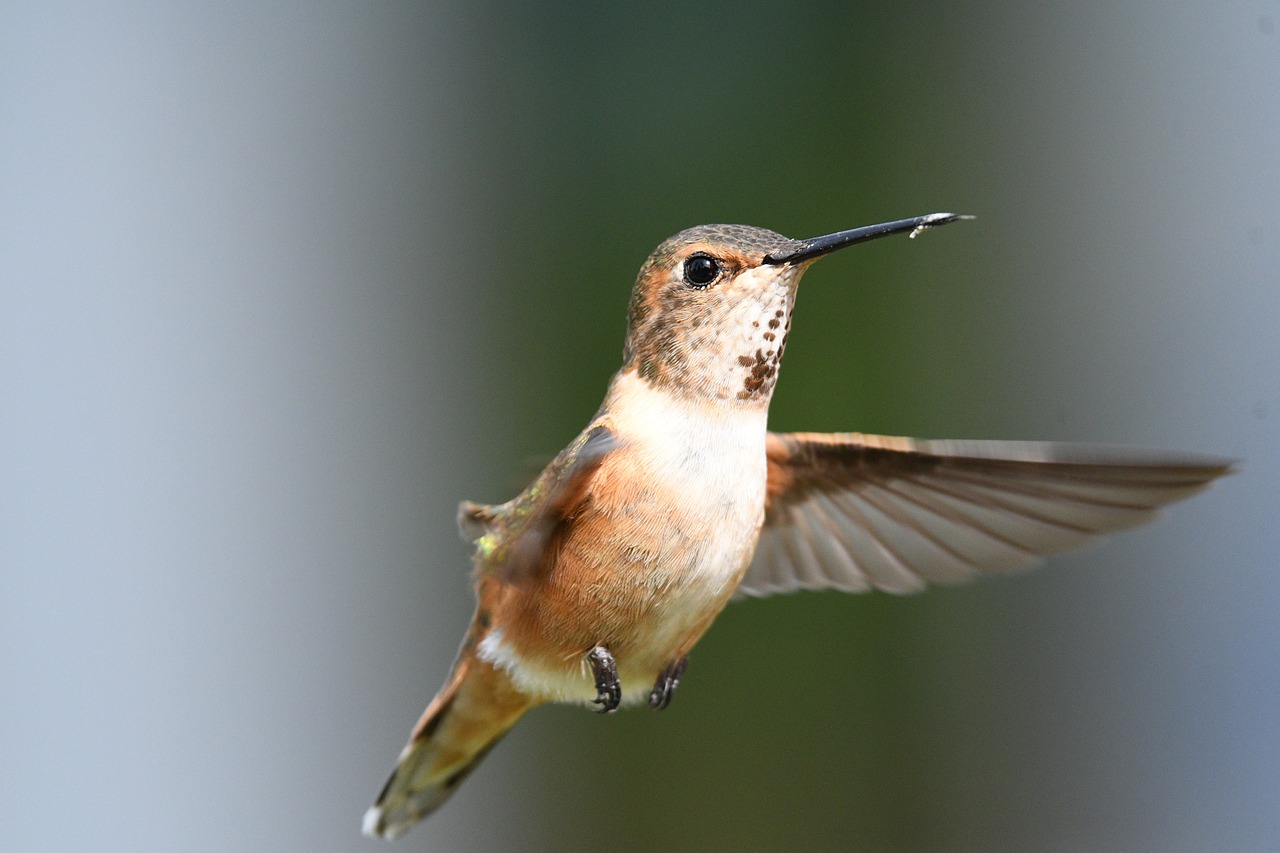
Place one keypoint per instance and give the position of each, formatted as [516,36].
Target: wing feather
[512,539]
[853,512]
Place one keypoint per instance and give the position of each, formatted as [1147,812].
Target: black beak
[815,247]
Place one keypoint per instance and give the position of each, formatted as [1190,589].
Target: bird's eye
[700,270]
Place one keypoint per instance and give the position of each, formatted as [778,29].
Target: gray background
[278,287]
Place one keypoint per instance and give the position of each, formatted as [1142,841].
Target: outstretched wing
[854,512]
[512,538]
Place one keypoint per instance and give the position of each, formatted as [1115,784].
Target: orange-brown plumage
[595,582]
[475,708]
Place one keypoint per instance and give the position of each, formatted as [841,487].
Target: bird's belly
[643,575]
[684,589]
[653,552]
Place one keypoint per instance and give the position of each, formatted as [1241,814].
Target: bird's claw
[665,687]
[605,670]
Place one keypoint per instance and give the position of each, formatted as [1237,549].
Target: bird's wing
[855,512]
[512,538]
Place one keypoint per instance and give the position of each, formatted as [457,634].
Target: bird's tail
[467,718]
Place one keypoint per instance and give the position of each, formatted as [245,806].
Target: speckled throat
[723,341]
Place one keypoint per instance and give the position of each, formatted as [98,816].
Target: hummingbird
[594,584]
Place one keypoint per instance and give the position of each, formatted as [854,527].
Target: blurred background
[280,285]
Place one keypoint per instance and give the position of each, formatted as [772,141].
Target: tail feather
[469,716]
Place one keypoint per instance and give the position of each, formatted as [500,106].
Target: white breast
[712,456]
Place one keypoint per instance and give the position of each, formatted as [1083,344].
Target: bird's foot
[608,688]
[665,687]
